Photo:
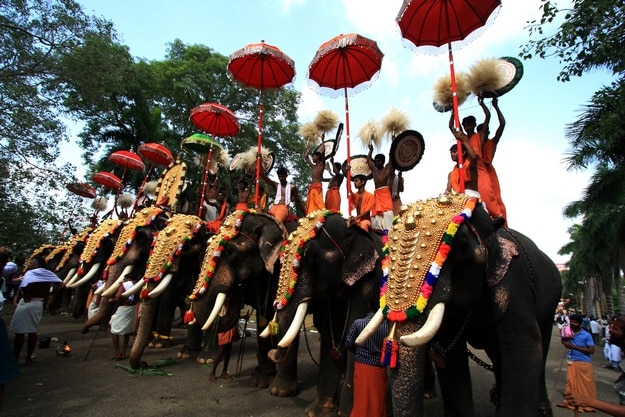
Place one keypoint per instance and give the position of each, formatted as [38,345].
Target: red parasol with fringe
[261,66]
[437,23]
[345,63]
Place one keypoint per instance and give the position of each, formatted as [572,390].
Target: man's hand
[370,148]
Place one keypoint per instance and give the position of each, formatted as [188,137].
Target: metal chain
[308,345]
[480,362]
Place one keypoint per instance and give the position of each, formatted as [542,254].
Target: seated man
[469,168]
[285,191]
[364,202]
[243,191]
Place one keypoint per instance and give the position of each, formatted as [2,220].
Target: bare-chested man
[285,191]
[314,200]
[382,213]
[333,195]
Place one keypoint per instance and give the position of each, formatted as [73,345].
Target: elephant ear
[271,237]
[502,253]
[360,254]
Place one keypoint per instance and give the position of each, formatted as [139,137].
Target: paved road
[88,383]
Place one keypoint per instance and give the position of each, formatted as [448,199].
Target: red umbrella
[201,143]
[346,62]
[261,66]
[108,179]
[127,160]
[82,189]
[156,153]
[215,119]
[435,23]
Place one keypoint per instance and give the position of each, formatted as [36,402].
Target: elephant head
[456,276]
[332,271]
[129,256]
[172,268]
[239,264]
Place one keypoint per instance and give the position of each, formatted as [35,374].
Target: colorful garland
[286,251]
[432,275]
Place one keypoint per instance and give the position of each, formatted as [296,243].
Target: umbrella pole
[119,190]
[454,99]
[66,225]
[258,153]
[349,171]
[145,179]
[204,181]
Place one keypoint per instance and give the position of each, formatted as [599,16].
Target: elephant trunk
[162,286]
[92,272]
[112,289]
[146,317]
[102,312]
[428,330]
[219,302]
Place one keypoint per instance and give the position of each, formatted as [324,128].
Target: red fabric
[369,391]
[213,226]
[455,176]
[242,206]
[383,201]
[314,201]
[333,199]
[228,336]
[279,211]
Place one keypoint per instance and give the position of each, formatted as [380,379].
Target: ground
[89,383]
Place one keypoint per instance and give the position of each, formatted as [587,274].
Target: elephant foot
[203,358]
[160,342]
[262,378]
[281,387]
[187,353]
[322,408]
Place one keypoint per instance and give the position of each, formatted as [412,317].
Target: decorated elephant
[454,276]
[240,266]
[332,271]
[129,257]
[92,262]
[171,272]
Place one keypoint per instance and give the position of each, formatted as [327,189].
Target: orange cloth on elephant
[364,203]
[487,158]
[262,201]
[476,143]
[279,211]
[371,380]
[485,187]
[333,199]
[455,176]
[214,225]
[383,201]
[314,201]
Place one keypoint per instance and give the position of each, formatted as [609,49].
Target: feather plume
[370,134]
[125,200]
[219,157]
[150,187]
[326,121]
[395,122]
[442,90]
[310,133]
[248,159]
[99,203]
[485,76]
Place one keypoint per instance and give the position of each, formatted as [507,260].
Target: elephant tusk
[219,302]
[265,333]
[92,271]
[135,289]
[429,329]
[71,278]
[162,286]
[112,289]
[370,328]
[293,330]
[69,275]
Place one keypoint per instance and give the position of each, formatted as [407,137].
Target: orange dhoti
[280,212]
[370,387]
[242,206]
[333,199]
[488,192]
[383,209]
[213,226]
[314,201]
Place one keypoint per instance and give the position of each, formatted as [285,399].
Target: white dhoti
[27,316]
[123,321]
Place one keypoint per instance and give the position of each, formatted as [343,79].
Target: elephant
[92,262]
[331,270]
[455,276]
[129,256]
[240,266]
[171,272]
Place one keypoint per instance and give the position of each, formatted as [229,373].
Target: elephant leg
[265,372]
[346,401]
[193,345]
[284,384]
[455,383]
[164,317]
[146,316]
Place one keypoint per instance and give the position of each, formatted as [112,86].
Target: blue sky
[534,181]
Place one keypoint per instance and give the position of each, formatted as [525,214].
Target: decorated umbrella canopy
[156,154]
[261,66]
[201,143]
[215,119]
[127,160]
[108,180]
[81,189]
[346,62]
[436,23]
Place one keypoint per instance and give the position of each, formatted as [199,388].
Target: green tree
[33,35]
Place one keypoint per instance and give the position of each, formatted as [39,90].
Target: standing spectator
[595,330]
[611,351]
[13,283]
[617,336]
[8,363]
[579,375]
[224,349]
[34,288]
[123,320]
[369,372]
